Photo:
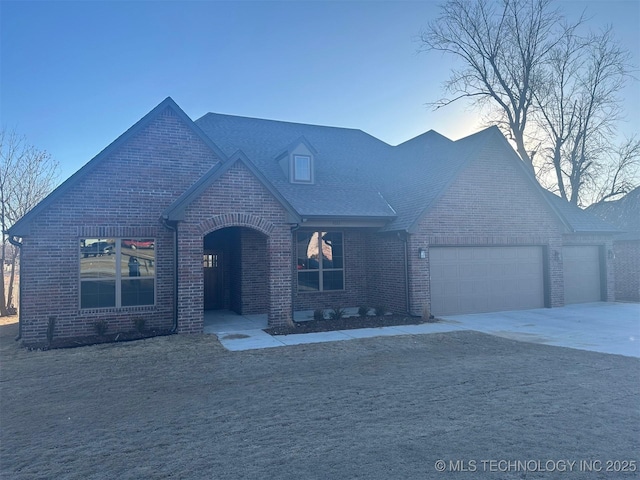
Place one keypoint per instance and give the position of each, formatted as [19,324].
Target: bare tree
[552,90]
[27,175]
[578,108]
[618,176]
[504,48]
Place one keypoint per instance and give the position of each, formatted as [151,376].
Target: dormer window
[302,169]
[297,162]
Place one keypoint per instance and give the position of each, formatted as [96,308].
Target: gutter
[17,244]
[174,229]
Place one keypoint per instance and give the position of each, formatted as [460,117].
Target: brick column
[280,271]
[190,280]
[419,287]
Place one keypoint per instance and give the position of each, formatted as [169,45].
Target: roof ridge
[280,121]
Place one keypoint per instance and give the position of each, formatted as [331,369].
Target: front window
[117,272]
[302,168]
[320,261]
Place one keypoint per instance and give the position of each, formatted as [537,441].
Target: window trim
[294,170]
[321,268]
[118,274]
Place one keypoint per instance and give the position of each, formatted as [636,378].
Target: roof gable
[428,165]
[176,211]
[22,226]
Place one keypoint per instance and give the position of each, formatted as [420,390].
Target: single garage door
[485,279]
[581,274]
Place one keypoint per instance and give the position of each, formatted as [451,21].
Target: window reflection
[117,272]
[97,258]
[320,261]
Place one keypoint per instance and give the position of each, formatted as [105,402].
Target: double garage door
[485,279]
[493,279]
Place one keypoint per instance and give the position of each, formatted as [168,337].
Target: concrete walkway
[600,327]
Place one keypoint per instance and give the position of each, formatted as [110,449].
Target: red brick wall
[254,287]
[627,270]
[491,202]
[122,196]
[386,276]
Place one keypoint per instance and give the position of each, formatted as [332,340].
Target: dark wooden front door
[213,280]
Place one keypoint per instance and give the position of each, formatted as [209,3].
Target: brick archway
[236,220]
[236,270]
[276,257]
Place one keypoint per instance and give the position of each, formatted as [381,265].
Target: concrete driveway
[599,327]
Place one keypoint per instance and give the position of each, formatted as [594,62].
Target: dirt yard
[182,407]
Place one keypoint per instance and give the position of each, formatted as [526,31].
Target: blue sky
[76,75]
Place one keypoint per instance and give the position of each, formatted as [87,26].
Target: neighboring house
[624,214]
[260,216]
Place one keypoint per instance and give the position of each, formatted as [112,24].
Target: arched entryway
[236,271]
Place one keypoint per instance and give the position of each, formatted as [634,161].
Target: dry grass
[183,407]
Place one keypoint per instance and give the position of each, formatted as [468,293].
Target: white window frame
[118,275]
[294,169]
[320,268]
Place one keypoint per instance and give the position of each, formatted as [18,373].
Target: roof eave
[345,221]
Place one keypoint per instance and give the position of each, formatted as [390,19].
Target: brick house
[259,216]
[624,214]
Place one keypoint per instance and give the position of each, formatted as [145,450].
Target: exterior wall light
[557,256]
[611,255]
[422,253]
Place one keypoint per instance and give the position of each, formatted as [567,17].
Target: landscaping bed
[73,342]
[347,323]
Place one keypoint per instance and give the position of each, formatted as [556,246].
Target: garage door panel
[582,281]
[473,270]
[485,279]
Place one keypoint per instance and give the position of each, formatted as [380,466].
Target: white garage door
[581,274]
[485,279]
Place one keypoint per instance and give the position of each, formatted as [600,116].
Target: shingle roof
[343,159]
[623,213]
[359,175]
[356,174]
[578,220]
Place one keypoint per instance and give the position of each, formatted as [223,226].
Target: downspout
[174,229]
[293,265]
[405,239]
[18,245]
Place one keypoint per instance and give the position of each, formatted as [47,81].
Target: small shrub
[337,313]
[363,311]
[139,322]
[101,327]
[318,314]
[51,326]
[380,311]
